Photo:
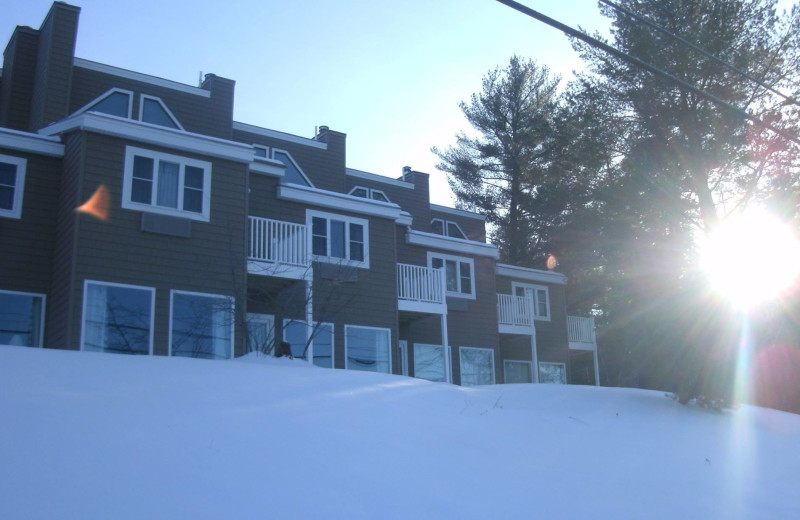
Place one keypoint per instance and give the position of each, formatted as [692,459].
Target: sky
[388,74]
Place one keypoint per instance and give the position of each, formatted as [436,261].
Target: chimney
[406,171]
[322,134]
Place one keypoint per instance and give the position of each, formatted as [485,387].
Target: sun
[751,258]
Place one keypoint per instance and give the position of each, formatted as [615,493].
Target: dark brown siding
[19,69]
[115,250]
[473,228]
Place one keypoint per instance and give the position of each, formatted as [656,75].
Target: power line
[569,31]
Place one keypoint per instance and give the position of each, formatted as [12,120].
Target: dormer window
[447,228]
[261,151]
[115,102]
[369,193]
[294,174]
[153,110]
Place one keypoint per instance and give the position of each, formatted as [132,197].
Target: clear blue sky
[389,75]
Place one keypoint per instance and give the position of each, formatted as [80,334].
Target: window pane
[323,345]
[292,174]
[357,242]
[295,333]
[201,326]
[6,197]
[260,151]
[454,231]
[193,189]
[541,303]
[142,185]
[20,320]
[466,278]
[117,319]
[367,349]
[437,263]
[477,366]
[319,231]
[437,226]
[153,112]
[429,362]
[518,372]
[359,192]
[8,174]
[377,195]
[115,104]
[260,330]
[452,275]
[168,177]
[337,239]
[553,373]
[193,177]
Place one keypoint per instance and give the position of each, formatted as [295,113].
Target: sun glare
[751,258]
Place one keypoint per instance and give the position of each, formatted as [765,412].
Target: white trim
[534,288]
[458,212]
[552,363]
[405,219]
[456,245]
[402,350]
[230,299]
[370,193]
[272,153]
[505,368]
[42,311]
[339,201]
[458,260]
[127,184]
[153,134]
[461,365]
[19,186]
[152,290]
[445,231]
[174,119]
[32,143]
[138,76]
[528,274]
[267,167]
[103,96]
[388,343]
[259,317]
[360,174]
[347,261]
[283,136]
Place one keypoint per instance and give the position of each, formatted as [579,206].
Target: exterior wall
[473,228]
[19,70]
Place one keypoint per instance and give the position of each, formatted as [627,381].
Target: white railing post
[278,242]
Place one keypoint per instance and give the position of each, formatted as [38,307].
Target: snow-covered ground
[101,436]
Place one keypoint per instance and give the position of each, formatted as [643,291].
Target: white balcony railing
[580,330]
[420,284]
[278,242]
[516,311]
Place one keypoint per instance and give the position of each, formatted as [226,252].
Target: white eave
[138,76]
[457,212]
[33,143]
[530,275]
[283,136]
[153,134]
[268,167]
[341,202]
[359,174]
[456,245]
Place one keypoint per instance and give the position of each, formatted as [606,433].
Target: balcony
[278,249]
[421,289]
[580,332]
[515,314]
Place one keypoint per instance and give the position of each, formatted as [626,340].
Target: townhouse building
[136,216]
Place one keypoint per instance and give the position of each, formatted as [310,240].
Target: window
[153,110]
[166,184]
[261,151]
[201,325]
[541,298]
[294,174]
[431,362]
[336,238]
[367,348]
[115,102]
[294,332]
[117,318]
[517,371]
[260,332]
[21,318]
[369,193]
[477,366]
[447,228]
[553,373]
[323,345]
[458,274]
[12,185]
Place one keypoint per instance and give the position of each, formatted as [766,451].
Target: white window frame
[272,153]
[108,93]
[448,371]
[388,344]
[445,223]
[174,119]
[564,365]
[19,186]
[370,193]
[41,317]
[87,283]
[505,368]
[261,147]
[260,318]
[458,260]
[536,314]
[461,364]
[231,301]
[127,184]
[310,214]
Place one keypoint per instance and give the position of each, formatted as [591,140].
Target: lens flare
[98,204]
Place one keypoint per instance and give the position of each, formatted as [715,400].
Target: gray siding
[473,228]
[19,69]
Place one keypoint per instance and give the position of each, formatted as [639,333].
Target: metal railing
[420,284]
[514,310]
[278,242]
[580,330]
